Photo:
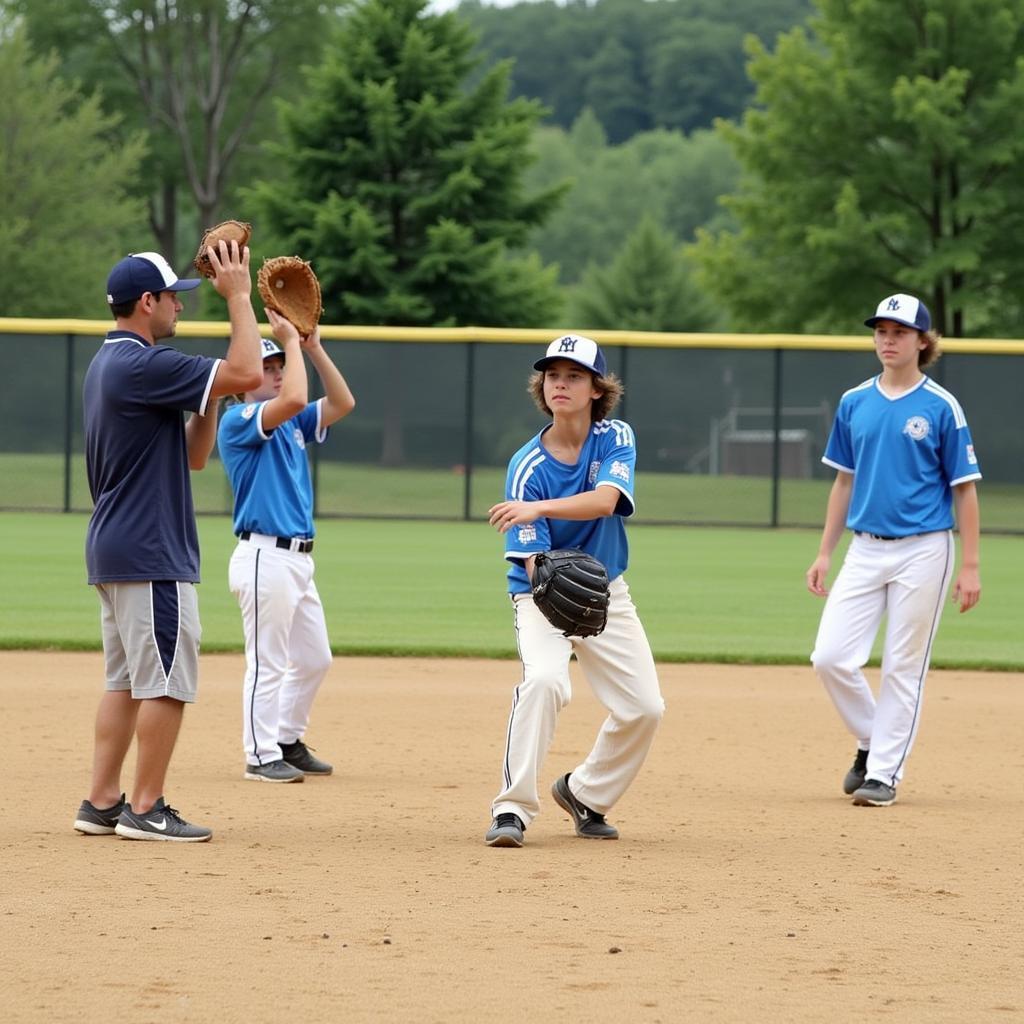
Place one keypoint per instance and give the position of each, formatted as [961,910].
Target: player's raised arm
[242,367]
[338,399]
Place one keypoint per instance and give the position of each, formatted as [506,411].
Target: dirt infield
[745,886]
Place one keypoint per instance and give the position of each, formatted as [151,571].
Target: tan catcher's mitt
[288,285]
[228,231]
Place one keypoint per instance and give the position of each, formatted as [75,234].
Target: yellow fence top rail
[527,336]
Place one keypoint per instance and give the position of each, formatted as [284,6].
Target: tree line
[647,164]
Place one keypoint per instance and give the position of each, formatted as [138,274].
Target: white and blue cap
[271,348]
[141,272]
[904,309]
[577,349]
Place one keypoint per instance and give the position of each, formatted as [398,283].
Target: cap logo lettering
[894,303]
[567,344]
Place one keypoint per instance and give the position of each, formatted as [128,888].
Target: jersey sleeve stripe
[524,471]
[321,431]
[958,413]
[209,387]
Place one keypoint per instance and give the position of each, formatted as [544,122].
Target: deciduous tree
[885,154]
[65,204]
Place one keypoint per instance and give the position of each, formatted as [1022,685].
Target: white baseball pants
[907,581]
[619,667]
[287,652]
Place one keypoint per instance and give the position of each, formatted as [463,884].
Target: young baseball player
[141,549]
[571,486]
[262,442]
[904,458]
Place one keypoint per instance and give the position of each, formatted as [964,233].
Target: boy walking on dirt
[904,459]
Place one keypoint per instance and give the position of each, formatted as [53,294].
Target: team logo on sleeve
[971,457]
[250,410]
[299,439]
[620,470]
[527,534]
[595,468]
[917,428]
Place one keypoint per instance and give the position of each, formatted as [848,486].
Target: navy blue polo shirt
[143,525]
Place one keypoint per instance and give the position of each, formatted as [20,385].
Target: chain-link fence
[730,429]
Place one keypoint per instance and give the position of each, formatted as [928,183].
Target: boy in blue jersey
[262,443]
[142,549]
[904,458]
[571,486]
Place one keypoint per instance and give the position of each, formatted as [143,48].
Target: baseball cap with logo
[141,272]
[577,349]
[271,348]
[904,309]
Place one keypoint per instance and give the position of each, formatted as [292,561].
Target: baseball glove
[571,589]
[288,285]
[228,230]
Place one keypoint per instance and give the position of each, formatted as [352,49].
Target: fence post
[69,377]
[776,433]
[467,453]
[624,367]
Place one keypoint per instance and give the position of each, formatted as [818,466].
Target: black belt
[286,543]
[878,536]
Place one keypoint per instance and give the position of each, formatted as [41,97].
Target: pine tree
[402,186]
[646,288]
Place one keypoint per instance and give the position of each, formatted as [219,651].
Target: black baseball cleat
[505,830]
[298,755]
[589,824]
[857,774]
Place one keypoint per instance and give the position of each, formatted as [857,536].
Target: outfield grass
[34,482]
[437,588]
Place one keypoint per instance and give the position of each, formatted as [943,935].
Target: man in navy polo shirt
[142,547]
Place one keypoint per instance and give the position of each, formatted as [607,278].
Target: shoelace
[173,814]
[507,819]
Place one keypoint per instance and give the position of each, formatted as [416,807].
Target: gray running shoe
[875,794]
[160,823]
[857,773]
[589,824]
[505,830]
[298,755]
[275,771]
[98,821]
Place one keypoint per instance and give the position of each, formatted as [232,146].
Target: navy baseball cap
[904,309]
[577,349]
[141,272]
[271,348]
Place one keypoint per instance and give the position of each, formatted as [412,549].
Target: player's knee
[546,686]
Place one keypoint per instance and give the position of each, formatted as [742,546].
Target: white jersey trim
[836,465]
[524,471]
[209,387]
[964,479]
[620,489]
[112,341]
[321,430]
[860,387]
[958,413]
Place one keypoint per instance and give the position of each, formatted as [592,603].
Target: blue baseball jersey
[608,459]
[269,472]
[905,453]
[143,524]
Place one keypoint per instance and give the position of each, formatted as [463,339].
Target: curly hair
[932,350]
[609,385]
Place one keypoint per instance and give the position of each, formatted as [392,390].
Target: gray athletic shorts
[151,637]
